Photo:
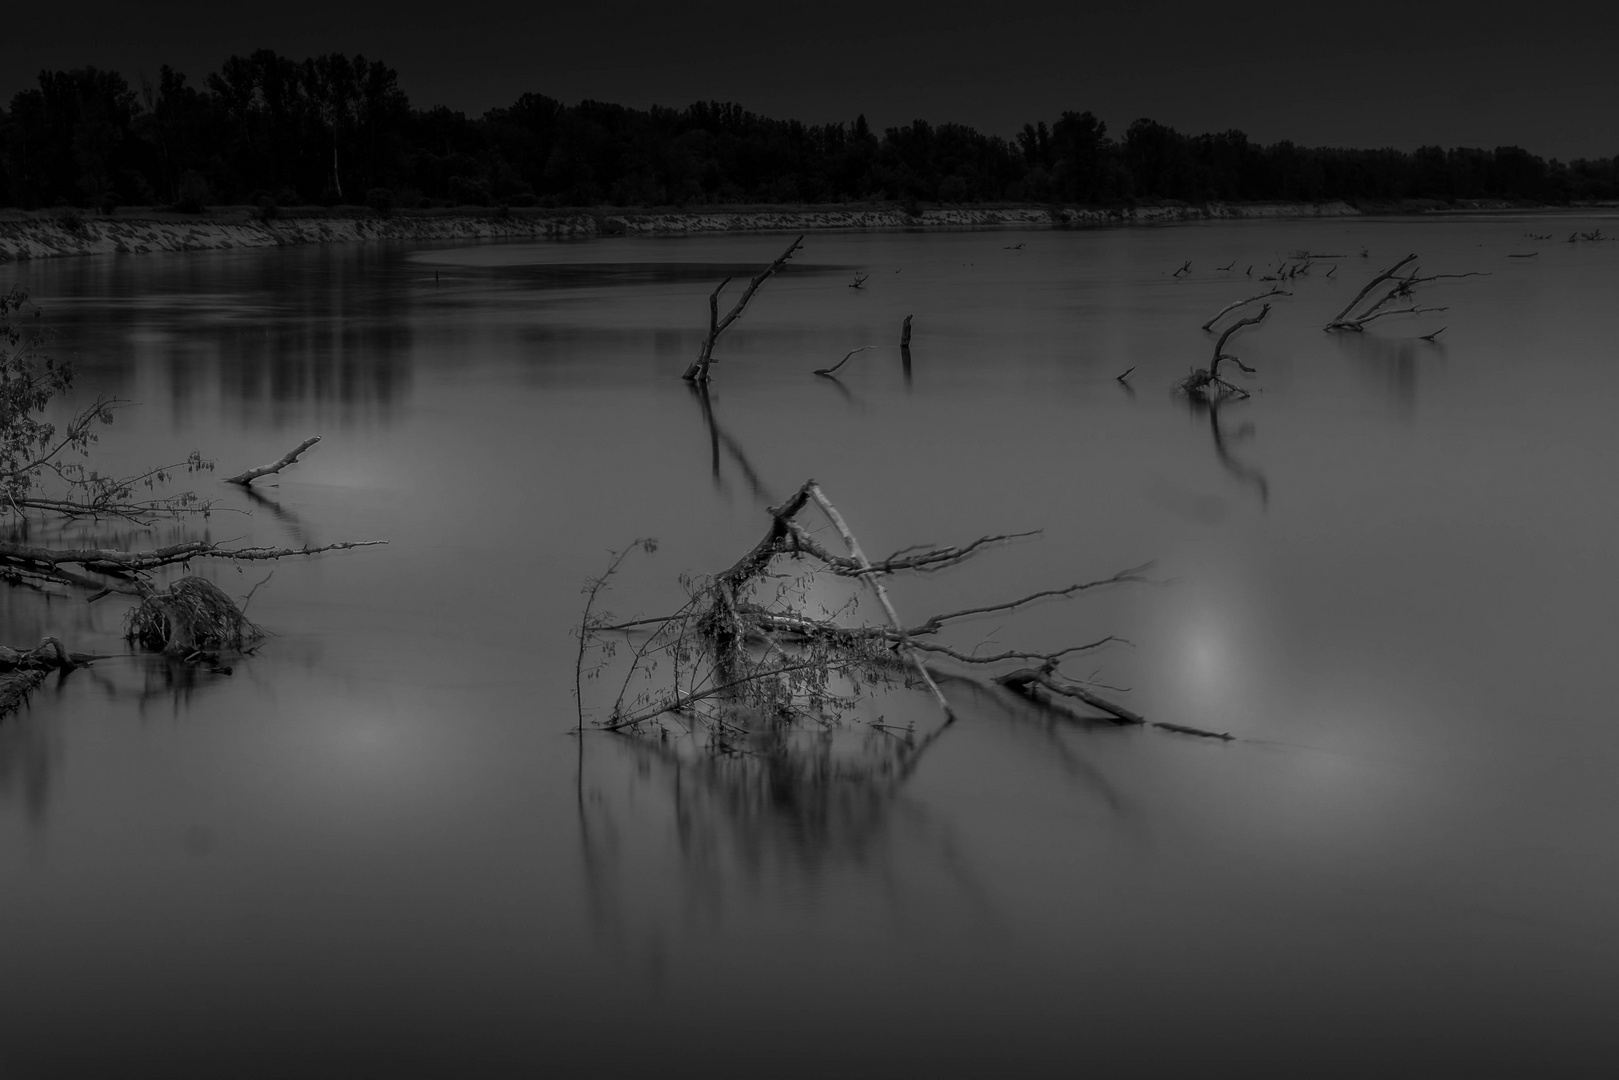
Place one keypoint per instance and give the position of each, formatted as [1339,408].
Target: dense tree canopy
[336,129]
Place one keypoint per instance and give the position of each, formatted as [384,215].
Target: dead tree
[750,649]
[1354,317]
[698,371]
[1275,290]
[905,333]
[1197,384]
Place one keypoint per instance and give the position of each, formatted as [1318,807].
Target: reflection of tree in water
[673,822]
[30,754]
[1224,440]
[718,437]
[1391,364]
[306,326]
[314,360]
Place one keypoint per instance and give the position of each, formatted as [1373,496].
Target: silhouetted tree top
[268,129]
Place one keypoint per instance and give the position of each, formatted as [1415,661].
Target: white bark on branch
[291,456]
[832,515]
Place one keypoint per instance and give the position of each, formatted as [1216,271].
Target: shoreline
[62,234]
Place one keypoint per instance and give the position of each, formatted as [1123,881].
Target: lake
[380,847]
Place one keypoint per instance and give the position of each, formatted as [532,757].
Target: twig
[845,360]
[1337,321]
[248,599]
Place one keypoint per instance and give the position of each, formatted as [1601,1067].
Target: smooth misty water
[379,848]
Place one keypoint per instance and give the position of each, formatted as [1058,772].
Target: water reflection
[1224,439]
[31,755]
[694,814]
[718,437]
[297,327]
[1393,366]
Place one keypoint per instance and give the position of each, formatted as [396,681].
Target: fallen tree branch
[828,371]
[291,456]
[869,576]
[1337,321]
[22,670]
[751,653]
[698,370]
[127,568]
[1198,382]
[1025,680]
[1275,290]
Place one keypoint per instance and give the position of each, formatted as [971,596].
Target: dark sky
[1355,75]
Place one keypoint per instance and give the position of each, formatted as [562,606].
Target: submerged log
[22,670]
[829,371]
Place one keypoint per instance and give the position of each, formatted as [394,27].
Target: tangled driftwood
[191,616]
[751,648]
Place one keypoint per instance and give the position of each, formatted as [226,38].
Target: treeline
[272,131]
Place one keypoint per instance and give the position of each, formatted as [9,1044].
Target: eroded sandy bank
[58,235]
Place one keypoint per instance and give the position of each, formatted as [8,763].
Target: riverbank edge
[65,234]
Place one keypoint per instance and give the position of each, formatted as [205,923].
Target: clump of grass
[192,615]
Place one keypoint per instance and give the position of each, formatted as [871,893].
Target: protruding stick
[274,467]
[828,371]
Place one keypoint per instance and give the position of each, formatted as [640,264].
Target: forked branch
[698,370]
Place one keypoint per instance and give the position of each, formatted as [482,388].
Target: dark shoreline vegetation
[270,132]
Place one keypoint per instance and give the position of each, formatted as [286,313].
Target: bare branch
[831,512]
[845,360]
[291,456]
[1219,347]
[716,326]
[1337,321]
[1275,290]
[1024,680]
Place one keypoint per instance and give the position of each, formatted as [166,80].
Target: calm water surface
[378,847]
